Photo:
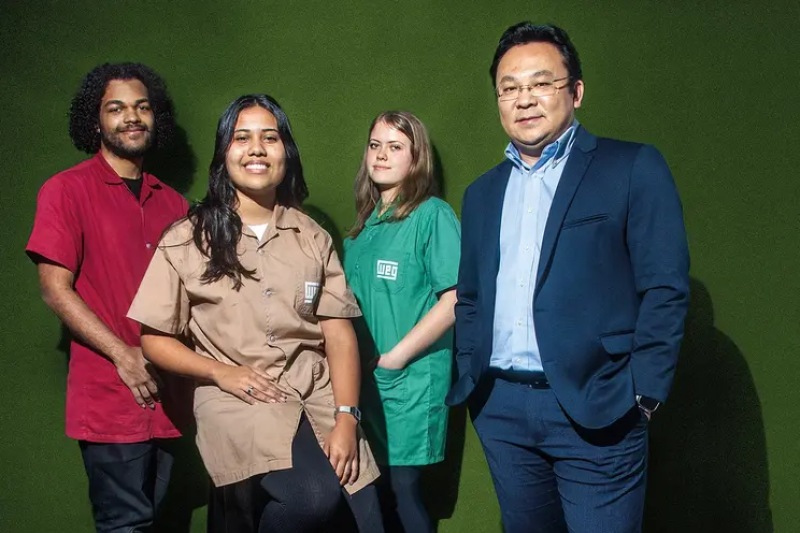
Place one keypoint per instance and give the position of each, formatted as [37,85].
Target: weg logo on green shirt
[387,269]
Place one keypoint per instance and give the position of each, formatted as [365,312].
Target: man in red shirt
[96,227]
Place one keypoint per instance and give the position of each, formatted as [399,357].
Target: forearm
[341,350]
[83,322]
[427,331]
[168,353]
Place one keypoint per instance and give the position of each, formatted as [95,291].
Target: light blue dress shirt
[527,202]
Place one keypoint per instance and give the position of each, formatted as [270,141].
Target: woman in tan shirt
[258,289]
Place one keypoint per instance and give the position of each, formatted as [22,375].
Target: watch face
[649,403]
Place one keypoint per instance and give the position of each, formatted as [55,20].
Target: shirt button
[267,293]
[260,251]
[522,284]
[530,210]
[356,266]
[147,245]
[519,322]
[272,338]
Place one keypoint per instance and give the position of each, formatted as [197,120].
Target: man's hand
[248,384]
[341,447]
[139,376]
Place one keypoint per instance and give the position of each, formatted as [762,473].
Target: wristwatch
[350,410]
[647,403]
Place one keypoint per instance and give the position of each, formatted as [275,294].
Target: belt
[534,380]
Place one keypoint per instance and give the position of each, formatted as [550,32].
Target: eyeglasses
[511,91]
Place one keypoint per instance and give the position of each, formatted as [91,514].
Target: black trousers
[401,500]
[127,482]
[306,498]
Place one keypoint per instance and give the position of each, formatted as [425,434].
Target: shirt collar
[111,177]
[285,217]
[375,219]
[554,153]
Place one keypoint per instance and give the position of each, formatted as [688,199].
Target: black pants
[401,500]
[127,482]
[306,498]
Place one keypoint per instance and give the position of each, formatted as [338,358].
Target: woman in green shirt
[401,260]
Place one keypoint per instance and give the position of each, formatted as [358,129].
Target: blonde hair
[418,185]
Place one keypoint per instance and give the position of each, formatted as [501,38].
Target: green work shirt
[396,269]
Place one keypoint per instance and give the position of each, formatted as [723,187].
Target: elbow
[50,296]
[448,302]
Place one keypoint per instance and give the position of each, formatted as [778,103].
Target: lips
[529,120]
[380,167]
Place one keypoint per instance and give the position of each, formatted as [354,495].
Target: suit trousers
[553,476]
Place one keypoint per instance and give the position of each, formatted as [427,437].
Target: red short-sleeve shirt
[89,221]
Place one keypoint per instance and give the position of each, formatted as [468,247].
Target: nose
[257,148]
[382,153]
[131,115]
[526,98]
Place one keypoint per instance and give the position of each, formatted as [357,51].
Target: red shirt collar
[110,175]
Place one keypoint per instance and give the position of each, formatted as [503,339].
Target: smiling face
[533,123]
[256,157]
[389,156]
[126,119]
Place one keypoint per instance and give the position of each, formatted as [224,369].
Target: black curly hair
[84,112]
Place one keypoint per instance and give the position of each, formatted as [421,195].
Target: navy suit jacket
[612,288]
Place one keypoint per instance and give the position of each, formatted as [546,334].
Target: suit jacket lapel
[494,197]
[576,165]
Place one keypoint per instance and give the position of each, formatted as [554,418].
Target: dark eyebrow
[248,131]
[537,74]
[388,142]
[120,102]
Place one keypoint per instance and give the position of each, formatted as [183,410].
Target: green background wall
[713,85]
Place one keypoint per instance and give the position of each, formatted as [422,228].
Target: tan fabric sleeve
[162,302]
[336,299]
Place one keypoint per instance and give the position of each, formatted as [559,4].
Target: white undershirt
[259,229]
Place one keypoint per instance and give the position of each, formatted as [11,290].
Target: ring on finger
[249,390]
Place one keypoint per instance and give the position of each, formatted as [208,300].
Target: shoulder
[488,178]
[627,151]
[180,233]
[433,207]
[72,179]
[435,212]
[310,228]
[168,194]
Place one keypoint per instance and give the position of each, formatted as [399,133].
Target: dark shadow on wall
[438,172]
[174,164]
[327,223]
[708,458]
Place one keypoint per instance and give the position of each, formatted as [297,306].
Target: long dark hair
[217,226]
[84,119]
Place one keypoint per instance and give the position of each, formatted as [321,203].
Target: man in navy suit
[572,291]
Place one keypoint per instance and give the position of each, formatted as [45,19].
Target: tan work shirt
[270,323]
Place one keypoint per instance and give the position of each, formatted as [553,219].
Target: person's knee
[311,500]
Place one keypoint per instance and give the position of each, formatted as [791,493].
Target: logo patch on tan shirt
[312,289]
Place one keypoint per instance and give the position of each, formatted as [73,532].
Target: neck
[530,157]
[388,196]
[125,168]
[255,211]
